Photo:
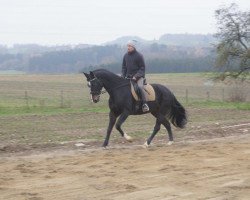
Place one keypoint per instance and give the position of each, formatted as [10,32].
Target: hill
[171,53]
[191,40]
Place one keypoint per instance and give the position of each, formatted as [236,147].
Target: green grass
[37,110]
[221,105]
[9,111]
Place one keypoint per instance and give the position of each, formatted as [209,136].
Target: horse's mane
[105,74]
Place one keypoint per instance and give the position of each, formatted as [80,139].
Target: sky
[57,22]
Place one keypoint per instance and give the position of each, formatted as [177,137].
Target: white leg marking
[145,145]
[170,142]
[105,148]
[128,138]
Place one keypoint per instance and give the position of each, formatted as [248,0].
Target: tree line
[159,58]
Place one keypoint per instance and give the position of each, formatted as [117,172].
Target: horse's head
[95,86]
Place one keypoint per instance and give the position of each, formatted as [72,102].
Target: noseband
[99,84]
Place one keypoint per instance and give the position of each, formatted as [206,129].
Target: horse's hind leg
[160,119]
[155,131]
[167,125]
[119,123]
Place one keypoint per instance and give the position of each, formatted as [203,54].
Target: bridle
[101,85]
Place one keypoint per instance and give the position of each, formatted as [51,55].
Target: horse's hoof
[170,143]
[128,138]
[145,145]
[105,148]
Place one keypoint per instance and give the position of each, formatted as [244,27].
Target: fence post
[26,99]
[186,96]
[62,100]
[223,95]
[208,96]
[42,103]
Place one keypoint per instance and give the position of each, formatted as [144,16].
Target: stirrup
[145,107]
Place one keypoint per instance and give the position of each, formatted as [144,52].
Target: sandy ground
[217,168]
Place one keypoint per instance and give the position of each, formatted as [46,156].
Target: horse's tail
[177,114]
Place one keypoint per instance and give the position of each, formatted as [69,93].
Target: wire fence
[71,91]
[81,98]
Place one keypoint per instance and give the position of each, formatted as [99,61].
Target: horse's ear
[92,76]
[87,76]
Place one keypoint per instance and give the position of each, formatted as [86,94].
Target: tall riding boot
[145,107]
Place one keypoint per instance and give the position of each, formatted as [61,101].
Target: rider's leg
[145,107]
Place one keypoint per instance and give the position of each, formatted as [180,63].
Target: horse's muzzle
[95,98]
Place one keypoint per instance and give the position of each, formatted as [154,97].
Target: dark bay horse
[121,103]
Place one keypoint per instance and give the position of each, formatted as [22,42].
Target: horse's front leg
[112,120]
[119,123]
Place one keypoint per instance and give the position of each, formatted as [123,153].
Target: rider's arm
[141,72]
[124,68]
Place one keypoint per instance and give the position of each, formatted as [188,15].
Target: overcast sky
[53,22]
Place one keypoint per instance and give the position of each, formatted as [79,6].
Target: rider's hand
[134,78]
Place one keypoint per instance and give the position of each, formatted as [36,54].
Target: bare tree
[233,48]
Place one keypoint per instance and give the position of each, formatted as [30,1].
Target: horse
[165,108]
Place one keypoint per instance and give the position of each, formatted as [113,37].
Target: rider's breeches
[140,85]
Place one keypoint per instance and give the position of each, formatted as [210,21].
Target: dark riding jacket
[133,65]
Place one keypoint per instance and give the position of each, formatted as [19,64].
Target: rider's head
[131,45]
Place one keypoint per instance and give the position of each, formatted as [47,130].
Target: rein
[104,91]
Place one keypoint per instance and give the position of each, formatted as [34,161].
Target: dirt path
[213,169]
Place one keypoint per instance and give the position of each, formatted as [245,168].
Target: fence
[69,99]
[70,91]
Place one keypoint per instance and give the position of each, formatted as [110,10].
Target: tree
[233,34]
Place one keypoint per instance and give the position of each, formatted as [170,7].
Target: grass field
[21,94]
[42,109]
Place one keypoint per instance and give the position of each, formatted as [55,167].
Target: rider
[133,66]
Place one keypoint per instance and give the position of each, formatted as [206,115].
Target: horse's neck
[111,83]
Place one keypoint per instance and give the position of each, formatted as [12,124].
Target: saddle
[149,94]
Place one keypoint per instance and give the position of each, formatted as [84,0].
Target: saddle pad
[149,92]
